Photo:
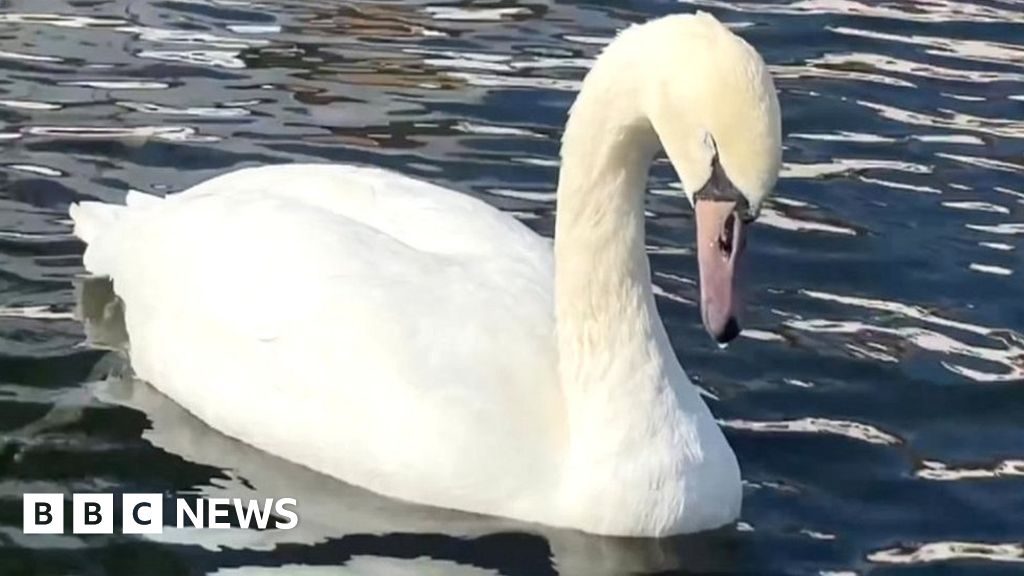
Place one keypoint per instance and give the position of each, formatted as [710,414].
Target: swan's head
[713,105]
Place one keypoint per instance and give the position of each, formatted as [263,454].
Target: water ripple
[35,313]
[777,219]
[954,120]
[118,84]
[1010,355]
[850,166]
[168,133]
[970,50]
[1007,229]
[949,551]
[933,470]
[930,11]
[848,429]
[905,310]
[208,112]
[475,14]
[228,59]
[990,269]
[978,207]
[892,64]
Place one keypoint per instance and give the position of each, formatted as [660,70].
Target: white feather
[416,341]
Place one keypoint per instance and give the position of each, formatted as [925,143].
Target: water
[875,403]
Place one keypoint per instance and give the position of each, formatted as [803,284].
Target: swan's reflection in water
[343,528]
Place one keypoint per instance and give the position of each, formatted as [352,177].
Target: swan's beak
[721,238]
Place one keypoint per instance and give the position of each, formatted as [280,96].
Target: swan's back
[379,329]
[424,216]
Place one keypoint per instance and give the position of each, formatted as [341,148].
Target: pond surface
[876,402]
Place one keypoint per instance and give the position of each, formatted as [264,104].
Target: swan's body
[416,341]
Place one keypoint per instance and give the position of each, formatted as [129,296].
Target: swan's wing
[400,339]
[422,215]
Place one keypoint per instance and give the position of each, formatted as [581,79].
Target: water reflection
[932,470]
[930,11]
[945,551]
[368,566]
[853,430]
[970,50]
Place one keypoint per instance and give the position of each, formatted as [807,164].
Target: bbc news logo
[144,513]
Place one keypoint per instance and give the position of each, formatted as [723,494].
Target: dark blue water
[876,404]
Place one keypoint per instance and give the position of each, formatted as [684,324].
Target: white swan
[420,343]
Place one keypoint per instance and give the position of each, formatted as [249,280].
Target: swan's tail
[94,220]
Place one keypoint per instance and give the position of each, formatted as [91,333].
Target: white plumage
[403,337]
[335,313]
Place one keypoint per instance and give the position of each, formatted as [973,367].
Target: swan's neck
[635,420]
[604,304]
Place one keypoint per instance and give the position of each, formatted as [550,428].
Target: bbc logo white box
[42,514]
[92,514]
[142,514]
